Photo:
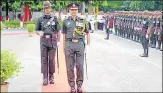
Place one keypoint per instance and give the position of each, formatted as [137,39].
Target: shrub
[2,26]
[30,27]
[16,23]
[29,22]
[9,65]
[12,23]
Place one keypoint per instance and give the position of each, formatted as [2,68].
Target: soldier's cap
[73,6]
[46,4]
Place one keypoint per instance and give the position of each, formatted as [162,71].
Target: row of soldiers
[130,24]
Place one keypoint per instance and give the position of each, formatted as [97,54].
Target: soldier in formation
[143,27]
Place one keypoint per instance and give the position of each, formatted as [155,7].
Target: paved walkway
[113,66]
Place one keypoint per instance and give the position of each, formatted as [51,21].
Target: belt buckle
[75,40]
[47,36]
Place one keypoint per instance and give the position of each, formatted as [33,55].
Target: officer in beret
[74,31]
[48,28]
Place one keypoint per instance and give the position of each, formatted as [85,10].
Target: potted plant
[30,28]
[9,67]
[2,26]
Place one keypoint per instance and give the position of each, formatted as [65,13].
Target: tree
[15,6]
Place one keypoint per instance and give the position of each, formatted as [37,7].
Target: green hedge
[12,23]
[2,26]
[9,65]
[16,23]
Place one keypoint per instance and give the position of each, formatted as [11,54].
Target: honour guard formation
[64,35]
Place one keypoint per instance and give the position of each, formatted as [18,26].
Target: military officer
[161,36]
[48,28]
[74,31]
[128,28]
[153,36]
[145,38]
[158,30]
[140,22]
[118,24]
[115,24]
[107,27]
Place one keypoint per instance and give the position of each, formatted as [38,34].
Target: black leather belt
[74,40]
[47,36]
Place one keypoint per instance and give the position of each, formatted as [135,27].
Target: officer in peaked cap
[74,31]
[48,28]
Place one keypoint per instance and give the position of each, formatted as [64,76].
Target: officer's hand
[40,33]
[37,33]
[146,36]
[58,43]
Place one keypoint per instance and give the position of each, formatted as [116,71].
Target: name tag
[79,24]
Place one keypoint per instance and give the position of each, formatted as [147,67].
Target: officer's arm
[38,27]
[87,34]
[64,32]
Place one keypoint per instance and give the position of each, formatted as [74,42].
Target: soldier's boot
[144,54]
[51,78]
[79,89]
[158,48]
[153,46]
[45,78]
[72,90]
[159,45]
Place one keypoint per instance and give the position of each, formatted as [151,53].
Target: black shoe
[51,79]
[72,90]
[79,90]
[153,46]
[158,48]
[45,82]
[106,38]
[143,55]
[45,79]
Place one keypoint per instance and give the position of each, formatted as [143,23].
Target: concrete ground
[113,65]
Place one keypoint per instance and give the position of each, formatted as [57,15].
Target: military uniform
[127,29]
[144,38]
[125,26]
[136,22]
[115,25]
[48,43]
[118,24]
[107,28]
[153,36]
[161,37]
[74,32]
[139,29]
[158,33]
